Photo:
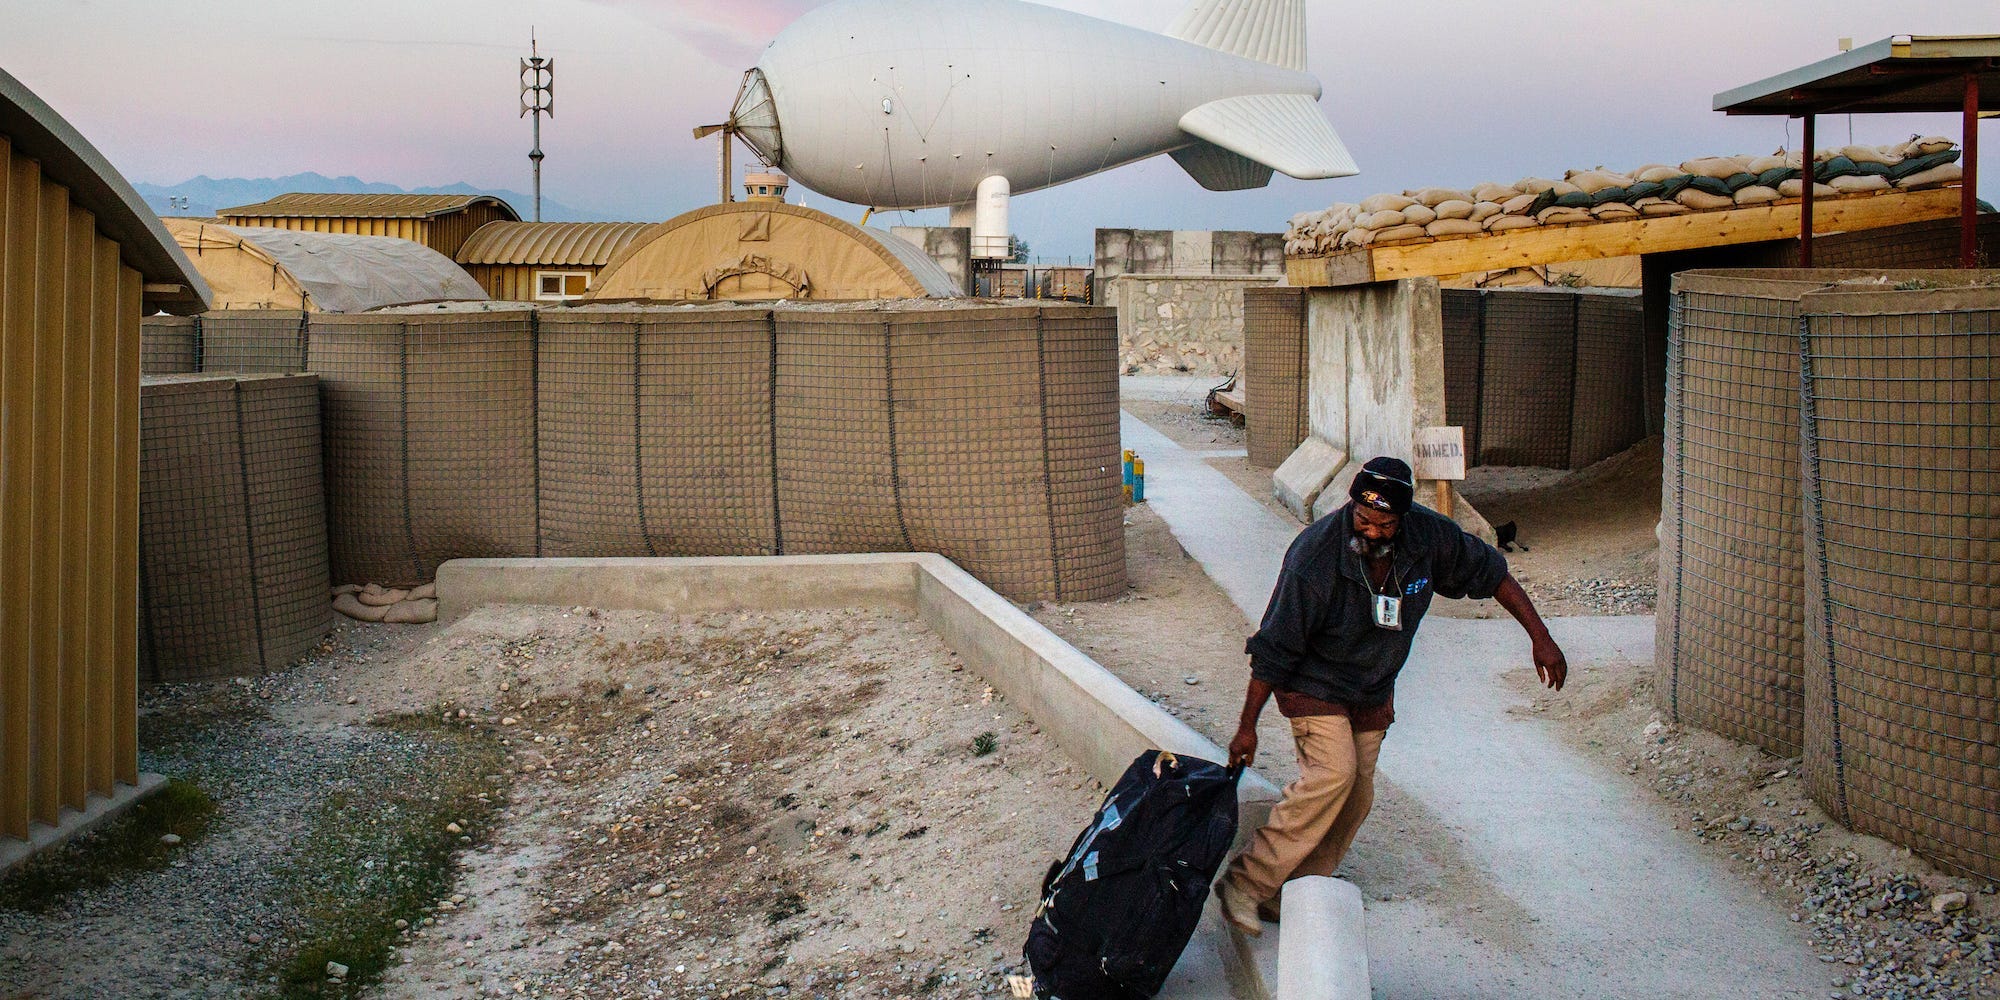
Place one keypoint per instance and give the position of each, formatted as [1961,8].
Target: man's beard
[1371,550]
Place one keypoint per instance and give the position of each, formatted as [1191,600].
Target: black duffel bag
[1118,910]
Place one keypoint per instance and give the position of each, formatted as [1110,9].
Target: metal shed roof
[560,243]
[37,132]
[310,205]
[1904,73]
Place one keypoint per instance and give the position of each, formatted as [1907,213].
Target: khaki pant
[1311,828]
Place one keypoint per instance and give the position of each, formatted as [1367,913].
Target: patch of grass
[984,743]
[382,848]
[931,984]
[785,907]
[127,844]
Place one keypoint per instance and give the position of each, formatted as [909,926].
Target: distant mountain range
[207,195]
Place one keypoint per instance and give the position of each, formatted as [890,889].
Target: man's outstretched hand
[1243,749]
[1550,665]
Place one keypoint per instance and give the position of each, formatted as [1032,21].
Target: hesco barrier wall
[987,434]
[1552,378]
[232,524]
[1902,500]
[169,345]
[1275,364]
[1731,633]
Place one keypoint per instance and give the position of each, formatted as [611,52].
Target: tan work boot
[1237,907]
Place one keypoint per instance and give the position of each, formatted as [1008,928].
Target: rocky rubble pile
[1886,927]
[1600,195]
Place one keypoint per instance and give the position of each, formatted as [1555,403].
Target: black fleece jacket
[1319,636]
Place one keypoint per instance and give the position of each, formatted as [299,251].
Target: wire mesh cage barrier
[1731,636]
[987,434]
[1552,378]
[232,524]
[1902,491]
[1841,425]
[1275,373]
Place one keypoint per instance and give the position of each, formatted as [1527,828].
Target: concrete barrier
[1322,941]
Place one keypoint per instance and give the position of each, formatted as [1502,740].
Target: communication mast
[538,98]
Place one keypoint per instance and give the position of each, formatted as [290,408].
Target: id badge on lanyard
[1389,612]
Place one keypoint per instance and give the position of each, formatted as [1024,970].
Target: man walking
[1354,587]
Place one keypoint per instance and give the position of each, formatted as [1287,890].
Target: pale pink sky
[1451,92]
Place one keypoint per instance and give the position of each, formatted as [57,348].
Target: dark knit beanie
[1384,484]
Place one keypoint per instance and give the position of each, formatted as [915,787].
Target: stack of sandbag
[393,605]
[1585,196]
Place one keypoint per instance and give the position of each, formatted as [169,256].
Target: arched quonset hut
[761,251]
[264,268]
[81,260]
[442,222]
[544,261]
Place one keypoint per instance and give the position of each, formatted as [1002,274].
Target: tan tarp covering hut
[261,268]
[761,251]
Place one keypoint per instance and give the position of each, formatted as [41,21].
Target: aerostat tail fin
[1282,131]
[1269,31]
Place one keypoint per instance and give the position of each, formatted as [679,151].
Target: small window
[561,286]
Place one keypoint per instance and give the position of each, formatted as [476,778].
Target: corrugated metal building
[81,260]
[543,261]
[442,222]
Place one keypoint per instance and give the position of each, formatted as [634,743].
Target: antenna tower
[538,98]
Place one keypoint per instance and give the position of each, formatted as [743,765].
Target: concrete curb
[97,811]
[1322,941]
[1095,717]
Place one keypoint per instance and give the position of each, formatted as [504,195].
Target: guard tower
[765,186]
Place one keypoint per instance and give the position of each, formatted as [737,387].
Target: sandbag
[1929,145]
[380,598]
[1608,195]
[1641,190]
[1656,174]
[1756,194]
[1675,185]
[1737,182]
[1704,201]
[1433,197]
[1453,209]
[1776,161]
[1387,218]
[1386,203]
[1796,188]
[416,612]
[1403,232]
[1612,211]
[1718,167]
[1947,173]
[1534,185]
[1775,176]
[1871,154]
[1662,208]
[1873,168]
[1593,181]
[424,592]
[347,605]
[1453,227]
[1857,183]
[1496,193]
[1504,223]
[1483,211]
[1517,205]
[1420,215]
[1560,215]
[1574,199]
[1919,164]
[1837,166]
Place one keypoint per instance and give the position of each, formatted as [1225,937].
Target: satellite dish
[753,118]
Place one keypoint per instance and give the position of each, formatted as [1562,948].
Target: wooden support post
[1444,497]
[1968,191]
[1808,179]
